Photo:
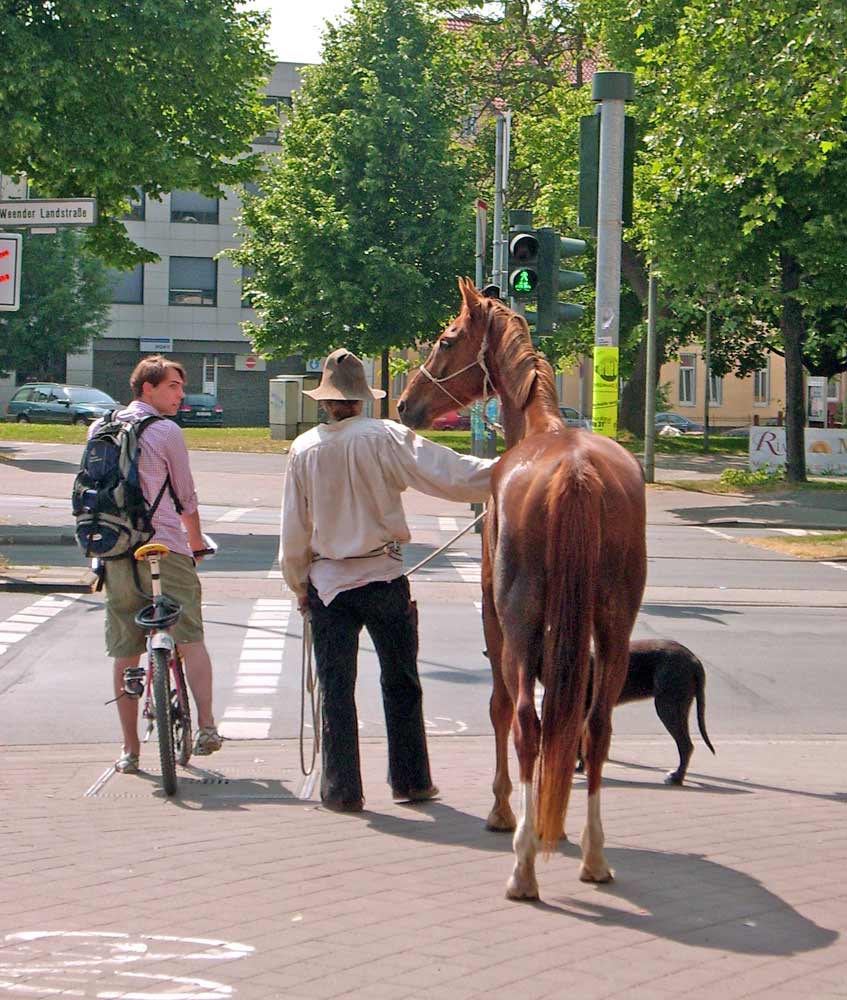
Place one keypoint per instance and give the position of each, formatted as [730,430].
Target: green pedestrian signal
[523,264]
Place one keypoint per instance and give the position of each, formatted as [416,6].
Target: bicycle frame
[165,693]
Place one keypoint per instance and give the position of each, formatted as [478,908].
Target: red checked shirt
[162,452]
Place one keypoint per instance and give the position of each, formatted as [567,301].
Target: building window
[193,281]
[833,390]
[137,207]
[128,286]
[715,390]
[281,106]
[189,206]
[246,274]
[687,379]
[761,387]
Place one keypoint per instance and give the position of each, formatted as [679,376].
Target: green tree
[98,98]
[751,116]
[366,217]
[65,297]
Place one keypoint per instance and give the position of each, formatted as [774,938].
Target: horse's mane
[519,366]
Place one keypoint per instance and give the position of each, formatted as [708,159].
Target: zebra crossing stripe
[259,670]
[21,624]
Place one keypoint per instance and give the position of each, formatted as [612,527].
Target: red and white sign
[10,272]
[249,363]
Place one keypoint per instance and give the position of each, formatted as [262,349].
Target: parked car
[573,419]
[200,409]
[453,420]
[51,403]
[679,422]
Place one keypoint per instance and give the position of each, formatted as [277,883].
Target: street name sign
[49,212]
[10,272]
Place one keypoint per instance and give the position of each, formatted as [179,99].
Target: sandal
[127,763]
[208,741]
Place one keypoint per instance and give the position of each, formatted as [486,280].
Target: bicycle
[162,682]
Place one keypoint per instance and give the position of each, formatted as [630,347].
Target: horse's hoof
[500,822]
[673,778]
[517,889]
[600,876]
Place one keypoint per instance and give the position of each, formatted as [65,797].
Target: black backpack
[112,516]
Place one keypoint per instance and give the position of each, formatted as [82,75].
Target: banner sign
[826,450]
[604,408]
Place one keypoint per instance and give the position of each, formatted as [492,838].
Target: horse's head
[451,376]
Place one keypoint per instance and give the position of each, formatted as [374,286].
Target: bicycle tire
[181,714]
[164,718]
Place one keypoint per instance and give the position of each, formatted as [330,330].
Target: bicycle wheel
[181,711]
[164,718]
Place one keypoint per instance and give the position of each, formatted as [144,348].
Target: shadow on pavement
[46,466]
[689,611]
[704,905]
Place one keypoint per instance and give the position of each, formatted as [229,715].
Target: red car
[453,420]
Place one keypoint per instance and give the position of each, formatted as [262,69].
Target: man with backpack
[161,469]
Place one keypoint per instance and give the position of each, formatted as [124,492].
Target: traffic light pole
[612,90]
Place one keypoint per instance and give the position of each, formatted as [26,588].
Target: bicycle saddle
[151,549]
[162,613]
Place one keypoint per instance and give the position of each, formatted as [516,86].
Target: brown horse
[564,561]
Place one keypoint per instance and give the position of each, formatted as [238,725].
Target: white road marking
[448,524]
[110,965]
[469,570]
[841,566]
[21,624]
[714,531]
[259,669]
[235,514]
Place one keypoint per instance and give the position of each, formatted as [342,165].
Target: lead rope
[309,684]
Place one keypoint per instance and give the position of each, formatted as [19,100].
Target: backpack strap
[141,426]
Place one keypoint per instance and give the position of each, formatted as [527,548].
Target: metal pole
[650,388]
[504,193]
[612,90]
[497,239]
[707,360]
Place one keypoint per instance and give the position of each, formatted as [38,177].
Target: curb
[20,583]
[36,538]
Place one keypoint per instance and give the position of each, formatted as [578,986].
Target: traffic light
[552,281]
[10,272]
[523,264]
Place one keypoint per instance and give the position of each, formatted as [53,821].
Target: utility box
[290,412]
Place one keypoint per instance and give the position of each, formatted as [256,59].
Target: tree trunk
[385,383]
[634,395]
[792,326]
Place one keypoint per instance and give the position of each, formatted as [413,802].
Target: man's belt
[391,549]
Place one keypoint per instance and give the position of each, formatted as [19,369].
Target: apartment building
[189,304]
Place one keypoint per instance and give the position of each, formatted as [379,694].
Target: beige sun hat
[344,378]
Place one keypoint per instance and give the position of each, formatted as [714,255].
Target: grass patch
[43,433]
[825,547]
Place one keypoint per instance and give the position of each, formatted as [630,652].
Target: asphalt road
[768,628]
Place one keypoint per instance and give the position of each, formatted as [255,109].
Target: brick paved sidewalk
[731,887]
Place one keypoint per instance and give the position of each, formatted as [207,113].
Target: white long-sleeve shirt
[342,499]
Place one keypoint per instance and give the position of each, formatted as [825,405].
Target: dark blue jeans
[391,617]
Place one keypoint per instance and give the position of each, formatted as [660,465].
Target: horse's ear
[470,296]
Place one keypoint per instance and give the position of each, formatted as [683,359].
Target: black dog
[674,677]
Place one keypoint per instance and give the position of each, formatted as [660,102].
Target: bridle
[487,384]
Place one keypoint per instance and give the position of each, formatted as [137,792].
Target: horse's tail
[572,568]
[700,698]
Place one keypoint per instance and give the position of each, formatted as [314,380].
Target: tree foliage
[99,97]
[65,298]
[366,217]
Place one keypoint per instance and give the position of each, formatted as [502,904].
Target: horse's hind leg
[611,659]
[501,708]
[527,729]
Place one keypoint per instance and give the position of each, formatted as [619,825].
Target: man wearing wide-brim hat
[342,530]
